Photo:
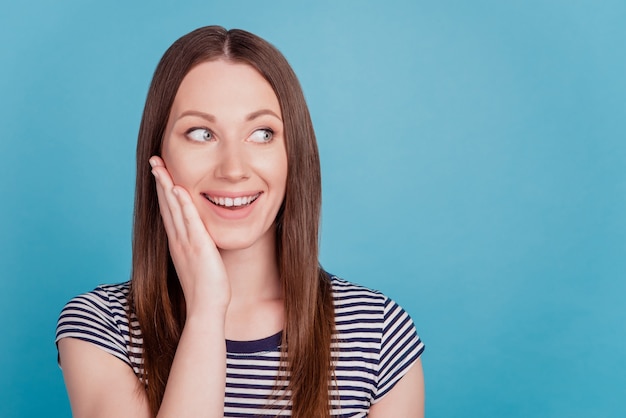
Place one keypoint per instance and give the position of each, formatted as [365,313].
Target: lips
[230,202]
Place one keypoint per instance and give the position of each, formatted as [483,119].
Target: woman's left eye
[262,136]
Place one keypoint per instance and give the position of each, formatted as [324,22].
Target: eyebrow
[203,115]
[209,117]
[262,112]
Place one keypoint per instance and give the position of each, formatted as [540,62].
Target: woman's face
[224,143]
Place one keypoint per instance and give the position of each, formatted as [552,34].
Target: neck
[253,272]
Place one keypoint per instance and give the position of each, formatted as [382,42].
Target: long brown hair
[156,296]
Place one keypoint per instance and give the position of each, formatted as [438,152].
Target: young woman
[228,312]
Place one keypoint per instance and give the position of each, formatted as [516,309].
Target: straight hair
[156,296]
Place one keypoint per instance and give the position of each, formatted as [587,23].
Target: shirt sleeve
[89,317]
[400,348]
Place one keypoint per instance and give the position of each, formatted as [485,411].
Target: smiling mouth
[232,202]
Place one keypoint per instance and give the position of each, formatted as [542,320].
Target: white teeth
[233,202]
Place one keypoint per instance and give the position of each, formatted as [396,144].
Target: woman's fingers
[163,206]
[180,215]
[196,231]
[169,205]
[198,263]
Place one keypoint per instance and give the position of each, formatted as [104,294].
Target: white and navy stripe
[376,344]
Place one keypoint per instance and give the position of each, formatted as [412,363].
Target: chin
[233,245]
[243,237]
[239,241]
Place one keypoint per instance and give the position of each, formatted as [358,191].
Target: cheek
[179,164]
[276,169]
[172,164]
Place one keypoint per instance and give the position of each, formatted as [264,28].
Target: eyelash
[268,130]
[191,130]
[210,133]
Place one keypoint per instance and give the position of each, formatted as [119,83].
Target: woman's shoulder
[106,298]
[101,317]
[373,329]
[100,312]
[358,304]
[107,303]
[347,293]
[343,287]
[361,309]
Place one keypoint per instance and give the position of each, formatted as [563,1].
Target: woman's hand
[197,379]
[197,260]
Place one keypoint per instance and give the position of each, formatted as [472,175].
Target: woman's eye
[200,134]
[262,135]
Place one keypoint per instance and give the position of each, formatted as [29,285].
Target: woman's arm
[406,399]
[197,381]
[99,385]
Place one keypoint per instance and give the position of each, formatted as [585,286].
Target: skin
[225,138]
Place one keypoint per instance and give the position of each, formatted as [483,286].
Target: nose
[231,164]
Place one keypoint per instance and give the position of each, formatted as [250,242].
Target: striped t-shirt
[376,345]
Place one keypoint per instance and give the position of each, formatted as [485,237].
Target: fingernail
[155,174]
[152,162]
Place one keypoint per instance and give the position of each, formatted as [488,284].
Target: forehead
[224,87]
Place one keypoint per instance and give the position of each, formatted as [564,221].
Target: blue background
[473,156]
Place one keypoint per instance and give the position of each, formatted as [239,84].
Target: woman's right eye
[200,134]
